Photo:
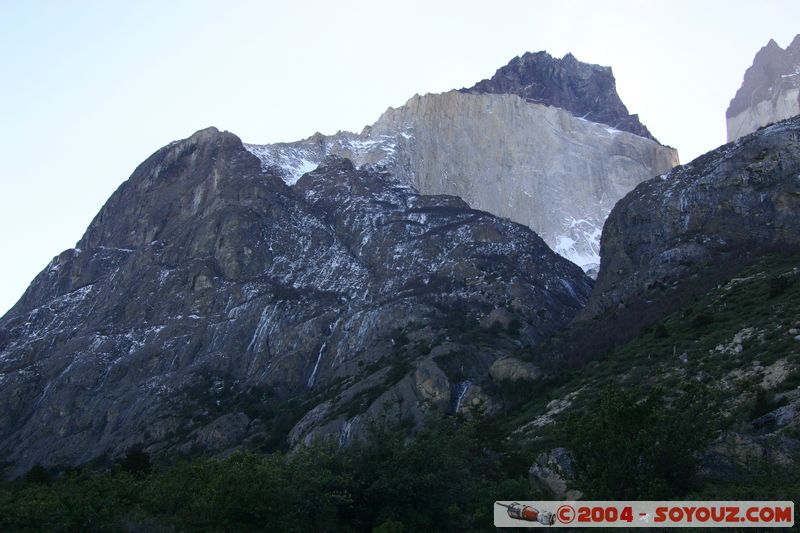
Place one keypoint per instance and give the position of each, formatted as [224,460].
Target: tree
[136,462]
[37,474]
[639,446]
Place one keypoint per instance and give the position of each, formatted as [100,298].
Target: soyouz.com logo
[758,514]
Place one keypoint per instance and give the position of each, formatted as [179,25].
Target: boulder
[513,369]
[553,472]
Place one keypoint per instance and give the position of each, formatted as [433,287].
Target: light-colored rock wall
[783,105]
[536,165]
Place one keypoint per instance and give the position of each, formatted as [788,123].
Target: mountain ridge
[677,235]
[586,90]
[206,294]
[241,295]
[770,90]
[536,164]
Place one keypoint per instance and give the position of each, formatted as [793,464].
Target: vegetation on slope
[445,479]
[719,368]
[683,411]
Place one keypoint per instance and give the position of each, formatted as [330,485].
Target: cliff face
[679,234]
[584,90]
[770,91]
[538,165]
[210,305]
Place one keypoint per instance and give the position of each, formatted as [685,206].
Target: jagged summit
[769,64]
[585,90]
[770,90]
[557,168]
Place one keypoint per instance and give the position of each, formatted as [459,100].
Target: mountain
[770,91]
[584,90]
[704,400]
[697,301]
[222,302]
[231,294]
[209,304]
[724,365]
[546,142]
[676,236]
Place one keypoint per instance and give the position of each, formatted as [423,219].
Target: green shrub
[136,462]
[778,285]
[638,446]
[37,474]
[700,321]
[660,331]
[764,403]
[443,480]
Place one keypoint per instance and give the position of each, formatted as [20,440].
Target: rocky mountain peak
[794,46]
[585,90]
[769,63]
[207,293]
[770,90]
[171,187]
[538,165]
[206,133]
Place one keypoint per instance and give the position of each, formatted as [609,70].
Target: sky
[89,89]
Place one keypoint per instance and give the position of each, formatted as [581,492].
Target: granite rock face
[211,305]
[507,147]
[537,165]
[770,91]
[680,233]
[584,90]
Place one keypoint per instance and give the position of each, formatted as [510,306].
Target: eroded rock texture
[770,91]
[545,142]
[680,233]
[211,305]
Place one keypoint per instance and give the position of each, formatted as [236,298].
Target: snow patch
[298,158]
[580,243]
[294,161]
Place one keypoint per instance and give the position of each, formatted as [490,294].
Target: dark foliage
[37,474]
[136,462]
[637,445]
[443,480]
[778,285]
[660,331]
[765,402]
[702,320]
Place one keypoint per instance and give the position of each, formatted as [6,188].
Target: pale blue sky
[90,89]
